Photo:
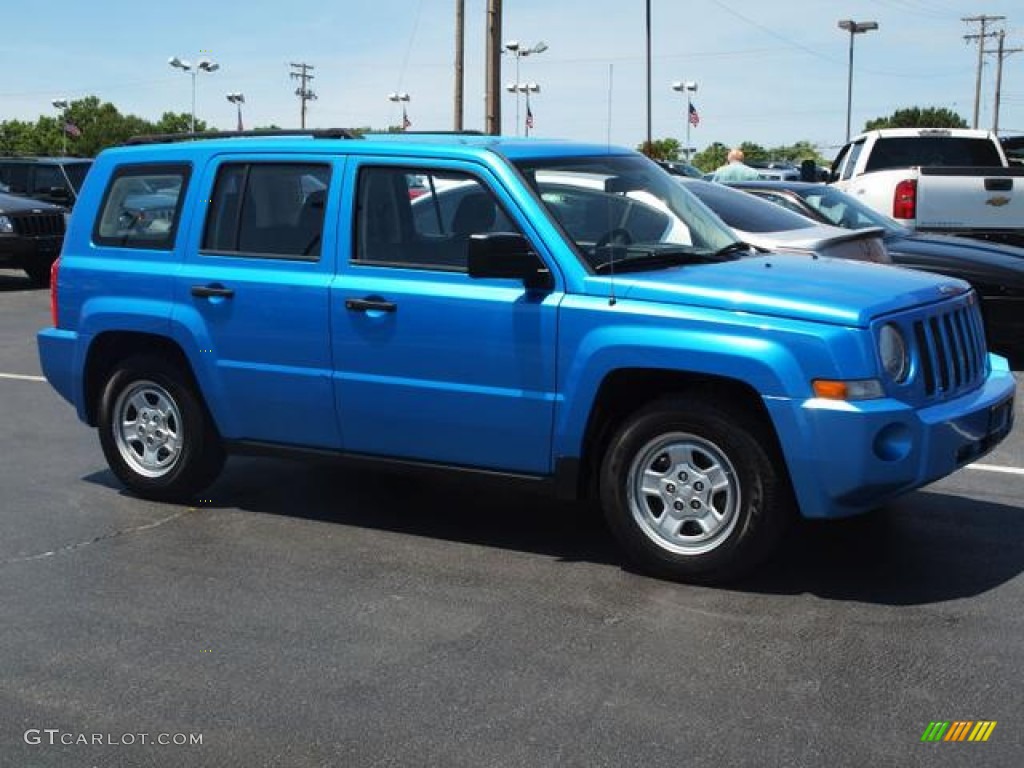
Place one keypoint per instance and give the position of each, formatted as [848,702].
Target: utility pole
[493,69]
[983,20]
[304,93]
[1001,52]
[460,58]
[648,144]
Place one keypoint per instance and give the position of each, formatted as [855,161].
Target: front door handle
[371,304]
[212,290]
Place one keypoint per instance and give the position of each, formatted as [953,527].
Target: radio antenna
[608,141]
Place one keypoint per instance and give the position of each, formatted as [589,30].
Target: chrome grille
[38,224]
[951,346]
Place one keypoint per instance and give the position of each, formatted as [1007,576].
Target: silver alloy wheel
[684,493]
[148,428]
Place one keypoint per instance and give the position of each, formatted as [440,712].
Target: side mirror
[507,254]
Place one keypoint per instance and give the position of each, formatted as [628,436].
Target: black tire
[723,492]
[147,399]
[39,273]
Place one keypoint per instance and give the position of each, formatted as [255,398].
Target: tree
[662,149]
[94,126]
[916,117]
[711,157]
[176,122]
[714,156]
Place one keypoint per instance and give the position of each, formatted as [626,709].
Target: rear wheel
[155,432]
[692,490]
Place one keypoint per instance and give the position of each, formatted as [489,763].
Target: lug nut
[679,506]
[670,488]
[695,504]
[683,476]
[698,486]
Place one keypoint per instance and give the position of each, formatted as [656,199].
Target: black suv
[31,233]
[50,179]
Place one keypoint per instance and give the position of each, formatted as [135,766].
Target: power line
[304,93]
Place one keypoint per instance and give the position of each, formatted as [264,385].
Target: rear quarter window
[142,206]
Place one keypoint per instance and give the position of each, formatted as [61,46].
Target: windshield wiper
[630,257]
[732,249]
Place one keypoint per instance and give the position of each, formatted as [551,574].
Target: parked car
[31,233]
[54,180]
[995,271]
[679,168]
[945,180]
[773,170]
[772,228]
[606,336]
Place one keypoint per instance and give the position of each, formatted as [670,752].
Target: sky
[772,72]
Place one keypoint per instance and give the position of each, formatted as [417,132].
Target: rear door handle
[214,289]
[370,305]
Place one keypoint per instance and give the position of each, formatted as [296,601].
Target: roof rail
[316,133]
[466,132]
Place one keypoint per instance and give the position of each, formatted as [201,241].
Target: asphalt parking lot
[308,615]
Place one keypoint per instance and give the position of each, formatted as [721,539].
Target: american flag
[529,118]
[72,130]
[694,117]
[406,122]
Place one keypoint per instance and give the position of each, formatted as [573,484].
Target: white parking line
[997,468]
[21,377]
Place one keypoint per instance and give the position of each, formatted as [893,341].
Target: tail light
[904,200]
[54,269]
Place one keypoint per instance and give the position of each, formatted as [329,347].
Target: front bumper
[20,249]
[849,457]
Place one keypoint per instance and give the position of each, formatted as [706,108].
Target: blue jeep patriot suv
[551,312]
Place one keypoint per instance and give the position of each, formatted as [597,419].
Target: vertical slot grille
[951,350]
[38,225]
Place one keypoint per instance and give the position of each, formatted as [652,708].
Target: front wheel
[694,492]
[155,432]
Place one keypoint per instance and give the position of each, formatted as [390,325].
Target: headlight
[892,348]
[6,226]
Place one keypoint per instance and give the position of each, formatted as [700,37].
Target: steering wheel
[617,236]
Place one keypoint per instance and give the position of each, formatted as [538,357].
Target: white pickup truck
[953,181]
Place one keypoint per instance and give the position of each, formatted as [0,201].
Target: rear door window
[272,210]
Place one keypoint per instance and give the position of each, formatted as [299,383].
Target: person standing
[735,169]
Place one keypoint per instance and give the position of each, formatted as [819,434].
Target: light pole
[238,99]
[688,87]
[203,65]
[61,105]
[403,99]
[526,88]
[854,28]
[518,50]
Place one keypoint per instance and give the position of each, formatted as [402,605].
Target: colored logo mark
[959,730]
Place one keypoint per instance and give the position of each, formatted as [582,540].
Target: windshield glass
[746,212]
[845,211]
[624,201]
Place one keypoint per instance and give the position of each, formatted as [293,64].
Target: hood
[836,291]
[18,204]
